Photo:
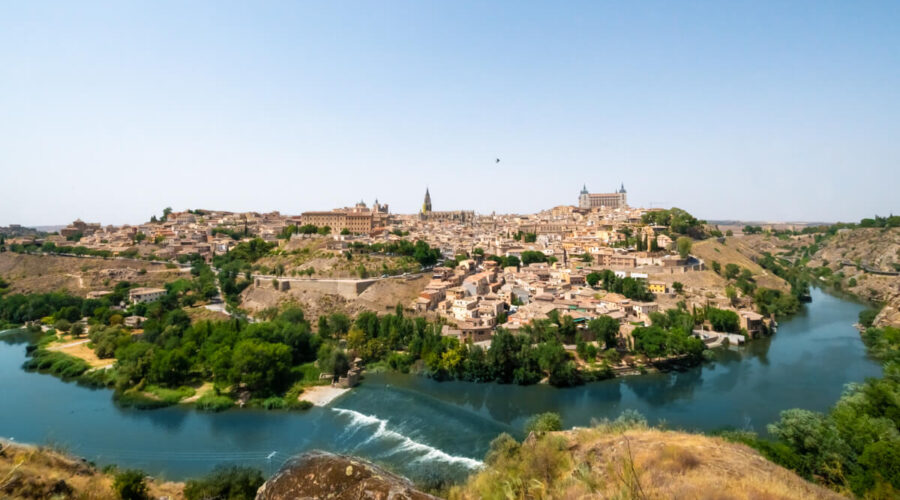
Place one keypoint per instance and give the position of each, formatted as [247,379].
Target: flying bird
[497,160]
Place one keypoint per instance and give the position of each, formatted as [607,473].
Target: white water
[429,453]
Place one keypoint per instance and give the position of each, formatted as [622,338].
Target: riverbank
[391,417]
[322,395]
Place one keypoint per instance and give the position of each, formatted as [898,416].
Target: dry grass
[80,350]
[736,251]
[201,313]
[31,472]
[605,462]
[78,275]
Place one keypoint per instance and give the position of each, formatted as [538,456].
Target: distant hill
[15,230]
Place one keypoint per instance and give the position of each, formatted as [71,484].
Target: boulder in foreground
[318,474]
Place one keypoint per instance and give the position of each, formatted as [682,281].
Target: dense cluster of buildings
[474,293]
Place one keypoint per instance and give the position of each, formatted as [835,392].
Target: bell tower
[426,206]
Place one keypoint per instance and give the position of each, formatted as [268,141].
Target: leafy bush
[544,422]
[226,482]
[130,485]
[137,399]
[170,396]
[212,402]
[867,317]
[274,403]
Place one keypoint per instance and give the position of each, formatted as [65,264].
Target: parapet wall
[347,288]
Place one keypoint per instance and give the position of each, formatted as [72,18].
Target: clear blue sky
[753,110]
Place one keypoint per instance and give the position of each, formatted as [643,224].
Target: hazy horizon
[762,111]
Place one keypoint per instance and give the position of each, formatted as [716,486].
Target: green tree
[723,320]
[732,270]
[532,256]
[77,330]
[502,356]
[677,286]
[651,341]
[683,244]
[261,366]
[815,439]
[606,330]
[716,267]
[592,279]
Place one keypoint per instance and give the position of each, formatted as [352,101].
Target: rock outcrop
[319,474]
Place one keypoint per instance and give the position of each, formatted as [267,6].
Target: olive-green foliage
[502,447]
[212,402]
[522,471]
[56,363]
[632,288]
[130,485]
[770,301]
[683,244]
[225,482]
[105,340]
[606,330]
[170,396]
[723,320]
[274,403]
[678,220]
[134,398]
[669,334]
[544,422]
[867,317]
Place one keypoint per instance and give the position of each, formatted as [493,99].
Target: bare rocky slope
[861,254]
[78,275]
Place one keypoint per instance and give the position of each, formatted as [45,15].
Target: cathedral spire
[426,206]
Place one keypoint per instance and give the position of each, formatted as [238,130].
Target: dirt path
[66,346]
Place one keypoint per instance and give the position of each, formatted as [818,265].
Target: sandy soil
[321,395]
[80,349]
[199,392]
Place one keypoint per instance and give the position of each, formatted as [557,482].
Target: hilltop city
[483,271]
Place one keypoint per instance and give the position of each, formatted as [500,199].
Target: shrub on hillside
[231,482]
[130,485]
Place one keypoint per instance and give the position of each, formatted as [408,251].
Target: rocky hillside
[324,475]
[316,298]
[78,275]
[855,257]
[30,472]
[606,462]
